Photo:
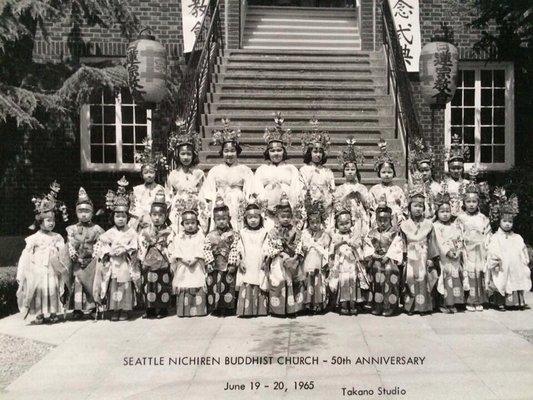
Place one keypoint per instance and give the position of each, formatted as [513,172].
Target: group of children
[351,251]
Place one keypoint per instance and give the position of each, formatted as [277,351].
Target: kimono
[451,279]
[143,197]
[348,279]
[270,181]
[507,266]
[358,205]
[179,186]
[155,266]
[456,191]
[417,241]
[233,183]
[395,200]
[476,231]
[315,249]
[252,281]
[320,181]
[81,240]
[117,272]
[282,246]
[221,280]
[42,274]
[188,267]
[431,189]
[384,277]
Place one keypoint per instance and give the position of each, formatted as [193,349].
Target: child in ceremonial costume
[188,257]
[423,159]
[282,252]
[455,181]
[507,259]
[144,194]
[449,242]
[315,249]
[81,240]
[117,276]
[384,275]
[352,191]
[252,282]
[154,241]
[315,177]
[417,243]
[385,166]
[348,280]
[42,272]
[476,231]
[221,270]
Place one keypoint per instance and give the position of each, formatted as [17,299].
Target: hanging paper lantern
[146,62]
[438,73]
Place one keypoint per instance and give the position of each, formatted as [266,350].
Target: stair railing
[406,121]
[200,67]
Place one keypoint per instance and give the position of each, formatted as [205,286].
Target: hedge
[8,291]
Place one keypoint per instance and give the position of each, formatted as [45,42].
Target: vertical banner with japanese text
[406,14]
[193,12]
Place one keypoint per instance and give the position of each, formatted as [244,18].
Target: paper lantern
[438,73]
[146,62]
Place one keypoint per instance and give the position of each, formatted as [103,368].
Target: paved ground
[483,355]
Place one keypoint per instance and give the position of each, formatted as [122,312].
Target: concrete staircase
[309,28]
[344,89]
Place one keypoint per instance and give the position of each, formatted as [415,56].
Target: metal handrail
[200,67]
[398,80]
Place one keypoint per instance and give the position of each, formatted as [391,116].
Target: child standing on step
[507,259]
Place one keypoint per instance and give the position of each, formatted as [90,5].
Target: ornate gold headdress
[384,156]
[443,195]
[351,154]
[225,135]
[179,136]
[83,199]
[48,205]
[457,151]
[501,204]
[120,200]
[422,153]
[278,133]
[149,158]
[417,187]
[315,137]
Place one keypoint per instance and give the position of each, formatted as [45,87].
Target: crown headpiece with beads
[315,137]
[49,204]
[160,202]
[382,205]
[501,204]
[417,188]
[83,199]
[227,134]
[150,159]
[421,153]
[342,206]
[351,154]
[220,205]
[443,195]
[457,151]
[314,204]
[472,186]
[120,200]
[277,133]
[180,136]
[384,156]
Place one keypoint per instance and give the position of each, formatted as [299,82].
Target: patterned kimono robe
[155,266]
[221,281]
[143,197]
[451,279]
[117,272]
[282,245]
[252,282]
[456,190]
[270,181]
[507,264]
[188,257]
[431,189]
[417,241]
[81,239]
[395,200]
[320,181]
[178,187]
[475,229]
[359,206]
[348,278]
[315,249]
[42,274]
[384,277]
[234,183]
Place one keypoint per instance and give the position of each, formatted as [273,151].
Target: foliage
[8,291]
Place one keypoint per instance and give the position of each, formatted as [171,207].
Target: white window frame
[85,141]
[478,66]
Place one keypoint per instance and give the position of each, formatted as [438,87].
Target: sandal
[54,318]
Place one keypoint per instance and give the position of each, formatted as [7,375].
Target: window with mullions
[112,129]
[481,114]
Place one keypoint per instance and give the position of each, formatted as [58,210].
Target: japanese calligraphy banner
[193,12]
[406,14]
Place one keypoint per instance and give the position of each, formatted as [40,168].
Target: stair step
[368,145]
[314,107]
[311,10]
[308,88]
[296,76]
[333,20]
[361,133]
[292,53]
[262,120]
[296,95]
[311,46]
[303,37]
[286,28]
[301,67]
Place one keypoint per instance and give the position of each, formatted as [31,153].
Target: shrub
[8,291]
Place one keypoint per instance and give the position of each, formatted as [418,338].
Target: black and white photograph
[237,199]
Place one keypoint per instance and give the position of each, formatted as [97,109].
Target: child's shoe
[124,316]
[54,318]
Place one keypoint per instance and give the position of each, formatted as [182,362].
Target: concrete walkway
[482,355]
